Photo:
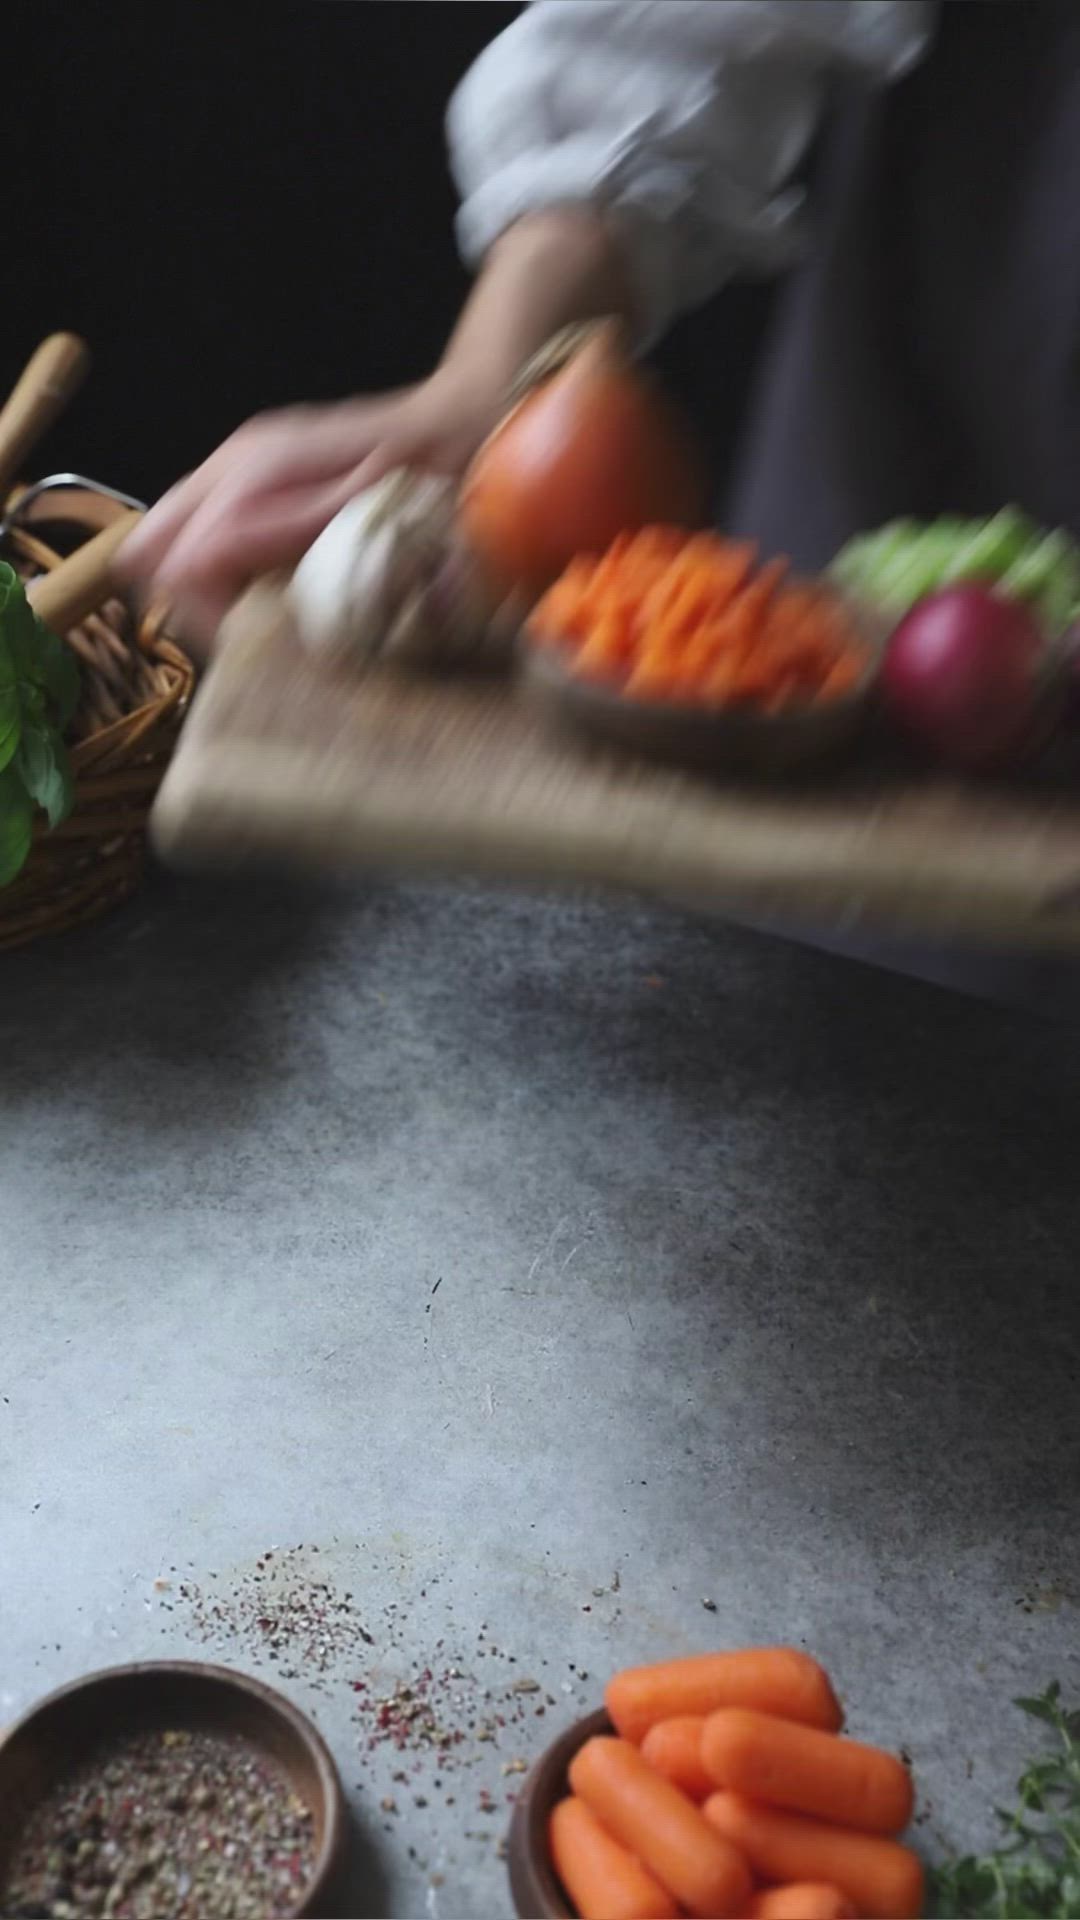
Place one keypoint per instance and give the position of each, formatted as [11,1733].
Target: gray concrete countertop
[522,1275]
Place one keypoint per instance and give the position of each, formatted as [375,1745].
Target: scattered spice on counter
[282,1612]
[163,1825]
[466,1708]
[442,1715]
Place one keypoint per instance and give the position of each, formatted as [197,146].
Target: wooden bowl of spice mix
[169,1788]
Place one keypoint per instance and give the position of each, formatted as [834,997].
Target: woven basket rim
[137,682]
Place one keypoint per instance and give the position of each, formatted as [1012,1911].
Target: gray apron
[927,357]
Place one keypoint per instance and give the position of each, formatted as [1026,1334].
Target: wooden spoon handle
[50,379]
[81,582]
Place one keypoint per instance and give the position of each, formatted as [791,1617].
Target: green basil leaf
[59,796]
[21,637]
[39,689]
[16,825]
[39,657]
[43,763]
[10,716]
[10,713]
[1044,1707]
[59,674]
[34,703]
[1070,1892]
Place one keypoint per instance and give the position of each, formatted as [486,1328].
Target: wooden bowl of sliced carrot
[717,1786]
[680,647]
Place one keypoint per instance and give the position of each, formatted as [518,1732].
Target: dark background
[239,208]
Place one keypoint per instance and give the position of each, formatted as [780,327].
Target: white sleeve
[685,121]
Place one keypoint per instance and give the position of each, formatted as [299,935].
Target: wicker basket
[136,686]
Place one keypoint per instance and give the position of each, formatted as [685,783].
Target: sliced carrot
[759,596]
[883,1880]
[805,1900]
[604,1880]
[779,1680]
[609,648]
[806,1770]
[734,632]
[841,678]
[754,681]
[653,680]
[720,568]
[705,647]
[633,560]
[801,600]
[679,602]
[565,634]
[657,541]
[720,684]
[673,1747]
[645,1813]
[686,609]
[562,599]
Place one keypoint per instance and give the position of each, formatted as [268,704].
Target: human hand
[260,500]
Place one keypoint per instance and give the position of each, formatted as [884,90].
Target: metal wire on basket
[22,500]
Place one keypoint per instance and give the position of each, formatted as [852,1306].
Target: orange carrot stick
[662,1827]
[883,1880]
[677,617]
[841,678]
[803,1900]
[778,1680]
[653,680]
[604,1881]
[807,1771]
[673,1747]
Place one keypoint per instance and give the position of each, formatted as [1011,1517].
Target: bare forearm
[544,273]
[261,499]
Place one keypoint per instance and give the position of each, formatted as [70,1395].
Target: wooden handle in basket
[81,582]
[51,378]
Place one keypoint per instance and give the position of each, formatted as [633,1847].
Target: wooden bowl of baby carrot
[534,1882]
[717,1786]
[680,647]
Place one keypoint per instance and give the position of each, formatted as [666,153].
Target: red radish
[961,674]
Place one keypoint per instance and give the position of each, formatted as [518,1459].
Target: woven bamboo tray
[136,685]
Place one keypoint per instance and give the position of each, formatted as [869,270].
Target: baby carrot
[883,1880]
[603,1880]
[662,1827]
[778,1680]
[673,1747]
[801,1900]
[807,1771]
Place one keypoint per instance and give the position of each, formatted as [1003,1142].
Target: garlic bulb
[388,579]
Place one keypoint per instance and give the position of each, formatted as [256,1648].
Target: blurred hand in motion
[259,501]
